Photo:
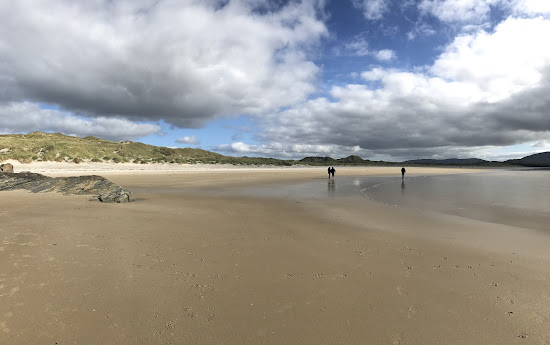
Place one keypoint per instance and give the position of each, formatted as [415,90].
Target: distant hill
[450,161]
[350,160]
[536,160]
[39,146]
[353,160]
[320,160]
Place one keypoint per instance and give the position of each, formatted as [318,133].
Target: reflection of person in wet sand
[402,185]
[332,170]
[331,187]
[403,171]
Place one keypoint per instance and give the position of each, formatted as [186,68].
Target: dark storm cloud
[408,127]
[183,62]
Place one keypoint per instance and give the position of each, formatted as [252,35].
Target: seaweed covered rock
[103,189]
[116,195]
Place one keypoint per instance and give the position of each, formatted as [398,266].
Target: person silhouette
[329,170]
[332,170]
[403,171]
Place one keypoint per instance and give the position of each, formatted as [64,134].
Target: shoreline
[63,168]
[210,176]
[203,269]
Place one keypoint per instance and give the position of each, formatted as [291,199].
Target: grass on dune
[39,146]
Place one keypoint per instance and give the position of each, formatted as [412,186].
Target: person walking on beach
[403,171]
[329,170]
[332,170]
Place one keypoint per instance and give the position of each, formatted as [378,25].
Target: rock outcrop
[102,189]
[6,168]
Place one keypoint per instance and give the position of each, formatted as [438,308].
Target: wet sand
[202,267]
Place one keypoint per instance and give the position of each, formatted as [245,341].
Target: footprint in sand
[3,327]
[398,339]
[13,291]
[401,291]
[411,311]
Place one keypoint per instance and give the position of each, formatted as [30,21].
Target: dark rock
[103,189]
[6,168]
[116,195]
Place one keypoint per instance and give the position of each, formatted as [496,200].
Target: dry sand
[198,267]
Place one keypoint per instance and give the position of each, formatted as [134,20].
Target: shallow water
[511,197]
[514,197]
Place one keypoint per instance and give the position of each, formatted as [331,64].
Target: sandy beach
[187,264]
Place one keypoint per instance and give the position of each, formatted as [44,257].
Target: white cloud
[372,9]
[374,74]
[478,11]
[458,10]
[500,64]
[193,140]
[484,90]
[183,61]
[385,55]
[358,46]
[287,151]
[420,29]
[543,145]
[28,117]
[531,7]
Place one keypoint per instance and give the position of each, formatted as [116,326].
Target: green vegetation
[39,146]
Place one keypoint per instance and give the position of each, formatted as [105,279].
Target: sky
[382,79]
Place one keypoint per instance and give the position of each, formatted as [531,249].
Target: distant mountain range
[39,146]
[450,161]
[536,160]
[347,160]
